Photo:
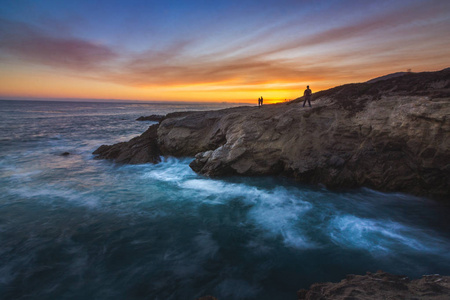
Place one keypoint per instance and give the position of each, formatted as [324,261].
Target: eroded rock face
[397,143]
[141,149]
[380,285]
[391,135]
[373,135]
[186,134]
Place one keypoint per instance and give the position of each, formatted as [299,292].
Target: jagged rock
[390,135]
[380,285]
[154,118]
[141,149]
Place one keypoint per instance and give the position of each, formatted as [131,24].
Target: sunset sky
[212,50]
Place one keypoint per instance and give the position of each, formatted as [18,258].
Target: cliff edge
[390,135]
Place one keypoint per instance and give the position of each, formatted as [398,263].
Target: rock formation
[140,149]
[390,135]
[380,285]
[153,118]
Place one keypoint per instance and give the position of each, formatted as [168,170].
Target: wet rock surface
[390,135]
[380,285]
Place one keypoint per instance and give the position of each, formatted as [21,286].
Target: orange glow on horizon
[17,83]
[54,85]
[243,58]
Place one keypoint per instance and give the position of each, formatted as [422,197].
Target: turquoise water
[72,227]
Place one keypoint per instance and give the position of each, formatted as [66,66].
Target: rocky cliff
[390,135]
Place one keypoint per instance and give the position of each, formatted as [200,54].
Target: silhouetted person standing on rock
[307,95]
[261,100]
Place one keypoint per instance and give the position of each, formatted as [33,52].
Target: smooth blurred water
[72,227]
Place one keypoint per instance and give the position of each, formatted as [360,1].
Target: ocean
[73,227]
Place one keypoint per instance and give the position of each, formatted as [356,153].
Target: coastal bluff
[389,135]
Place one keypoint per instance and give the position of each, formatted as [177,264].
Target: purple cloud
[28,43]
[364,47]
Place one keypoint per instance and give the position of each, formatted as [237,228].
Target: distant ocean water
[72,227]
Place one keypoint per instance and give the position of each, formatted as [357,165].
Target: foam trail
[274,210]
[383,236]
[170,170]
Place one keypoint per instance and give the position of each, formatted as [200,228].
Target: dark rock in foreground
[380,285]
[141,149]
[390,135]
[207,298]
[375,286]
[154,118]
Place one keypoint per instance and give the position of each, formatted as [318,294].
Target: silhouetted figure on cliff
[307,95]
[261,100]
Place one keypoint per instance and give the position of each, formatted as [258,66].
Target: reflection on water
[74,227]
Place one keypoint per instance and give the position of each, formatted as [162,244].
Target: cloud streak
[167,67]
[28,43]
[286,51]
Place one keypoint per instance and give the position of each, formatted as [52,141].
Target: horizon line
[128,101]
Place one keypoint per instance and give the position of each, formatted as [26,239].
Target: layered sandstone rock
[391,135]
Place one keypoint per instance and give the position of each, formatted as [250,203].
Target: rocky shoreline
[389,135]
[375,286]
[380,285]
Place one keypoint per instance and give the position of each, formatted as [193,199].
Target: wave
[141,230]
[384,237]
